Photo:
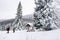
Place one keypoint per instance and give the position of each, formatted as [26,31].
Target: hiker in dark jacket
[8,29]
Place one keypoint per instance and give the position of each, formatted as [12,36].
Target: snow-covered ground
[23,35]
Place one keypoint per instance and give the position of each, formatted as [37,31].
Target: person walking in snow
[14,29]
[28,27]
[8,29]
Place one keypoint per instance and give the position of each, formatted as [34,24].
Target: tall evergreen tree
[18,20]
[44,15]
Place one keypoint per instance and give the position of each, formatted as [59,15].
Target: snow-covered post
[44,16]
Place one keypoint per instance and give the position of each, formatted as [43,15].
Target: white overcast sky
[8,8]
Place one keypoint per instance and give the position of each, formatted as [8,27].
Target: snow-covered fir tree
[18,20]
[44,15]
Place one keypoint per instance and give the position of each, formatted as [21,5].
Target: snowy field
[23,35]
